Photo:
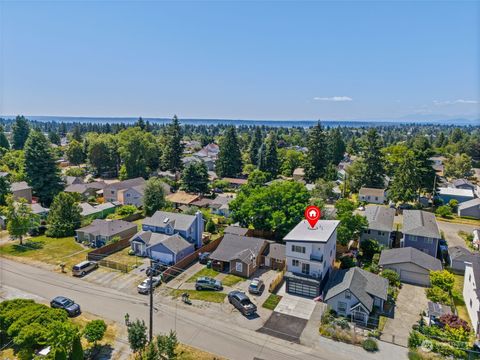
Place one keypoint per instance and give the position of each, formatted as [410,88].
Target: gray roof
[420,223]
[380,217]
[469,204]
[127,183]
[69,180]
[322,231]
[459,253]
[81,188]
[238,247]
[21,185]
[275,251]
[38,209]
[236,230]
[88,209]
[460,182]
[176,243]
[177,221]
[437,310]
[107,227]
[409,255]
[149,238]
[372,191]
[362,284]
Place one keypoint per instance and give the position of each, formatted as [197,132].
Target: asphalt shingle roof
[237,247]
[178,221]
[420,223]
[469,204]
[107,227]
[21,185]
[372,192]
[380,217]
[409,255]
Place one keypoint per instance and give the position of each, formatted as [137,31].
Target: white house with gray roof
[355,292]
[380,224]
[471,293]
[412,265]
[372,195]
[420,231]
[310,254]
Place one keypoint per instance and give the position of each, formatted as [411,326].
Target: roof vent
[166,220]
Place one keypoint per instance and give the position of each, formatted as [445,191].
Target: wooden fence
[104,251]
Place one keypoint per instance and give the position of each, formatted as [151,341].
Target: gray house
[99,232]
[420,231]
[470,208]
[412,265]
[459,255]
[380,225]
[355,292]
[463,184]
[167,249]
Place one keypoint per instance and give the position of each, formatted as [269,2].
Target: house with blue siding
[450,193]
[420,231]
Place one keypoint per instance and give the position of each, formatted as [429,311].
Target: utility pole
[151,302]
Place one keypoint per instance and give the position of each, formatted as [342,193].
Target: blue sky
[250,60]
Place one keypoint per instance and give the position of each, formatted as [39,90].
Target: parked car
[242,302]
[256,286]
[61,302]
[144,287]
[206,283]
[157,269]
[203,258]
[83,268]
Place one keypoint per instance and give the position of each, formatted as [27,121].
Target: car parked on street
[61,302]
[256,286]
[242,302]
[206,283]
[83,268]
[144,287]
[203,258]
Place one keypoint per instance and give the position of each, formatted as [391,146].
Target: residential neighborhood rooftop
[455,191]
[371,191]
[409,255]
[420,223]
[181,197]
[21,185]
[106,227]
[322,231]
[177,221]
[238,247]
[380,217]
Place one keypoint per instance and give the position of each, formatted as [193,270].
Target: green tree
[77,350]
[20,218]
[94,331]
[103,154]
[351,225]
[77,133]
[210,227]
[444,211]
[423,151]
[62,335]
[229,162]
[278,207]
[336,146]
[75,171]
[173,150]
[444,279]
[324,189]
[392,276]
[54,138]
[3,140]
[195,178]
[154,196]
[64,216]
[347,262]
[167,345]
[254,146]
[317,155]
[373,176]
[4,190]
[137,335]
[290,160]
[75,153]
[270,163]
[406,180]
[369,248]
[21,130]
[40,167]
[458,166]
[257,178]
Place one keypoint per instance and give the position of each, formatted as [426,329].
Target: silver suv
[83,268]
[206,283]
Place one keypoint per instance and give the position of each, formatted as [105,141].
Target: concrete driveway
[411,302]
[451,232]
[294,305]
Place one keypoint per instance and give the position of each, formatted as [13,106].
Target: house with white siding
[471,293]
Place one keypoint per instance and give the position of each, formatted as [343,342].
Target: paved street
[451,232]
[193,327]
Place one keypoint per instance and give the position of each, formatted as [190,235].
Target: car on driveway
[144,287]
[207,283]
[242,302]
[61,302]
[83,268]
[256,286]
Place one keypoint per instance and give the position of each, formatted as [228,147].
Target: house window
[128,195]
[471,303]
[429,241]
[470,278]
[367,231]
[295,262]
[306,269]
[299,249]
[347,294]
[238,267]
[376,197]
[342,306]
[412,238]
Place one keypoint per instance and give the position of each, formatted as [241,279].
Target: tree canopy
[229,162]
[154,196]
[64,216]
[195,178]
[20,130]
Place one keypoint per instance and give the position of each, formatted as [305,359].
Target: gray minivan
[83,268]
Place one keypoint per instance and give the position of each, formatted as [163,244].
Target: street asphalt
[192,327]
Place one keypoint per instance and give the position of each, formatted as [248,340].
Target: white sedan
[144,287]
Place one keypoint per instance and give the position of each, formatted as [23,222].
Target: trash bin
[209,264]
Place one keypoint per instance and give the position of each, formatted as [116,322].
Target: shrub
[436,294]
[328,316]
[444,211]
[346,262]
[370,344]
[392,277]
[454,322]
[453,203]
[415,339]
[374,334]
[369,248]
[343,324]
[443,279]
[75,171]
[126,210]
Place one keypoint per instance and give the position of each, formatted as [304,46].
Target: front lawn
[205,295]
[231,280]
[458,298]
[204,272]
[48,250]
[272,302]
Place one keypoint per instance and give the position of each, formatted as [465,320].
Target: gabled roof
[18,186]
[81,188]
[69,180]
[460,182]
[175,243]
[322,231]
[177,221]
[127,183]
[88,209]
[409,255]
[455,192]
[371,192]
[459,253]
[238,247]
[420,223]
[275,251]
[469,204]
[107,227]
[149,238]
[362,284]
[236,230]
[181,197]
[380,217]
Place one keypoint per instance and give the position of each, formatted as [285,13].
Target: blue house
[450,193]
[420,231]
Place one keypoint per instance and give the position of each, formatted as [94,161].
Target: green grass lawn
[458,298]
[48,250]
[204,272]
[272,302]
[231,280]
[205,295]
[123,258]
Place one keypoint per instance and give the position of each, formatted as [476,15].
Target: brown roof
[235,181]
[181,197]
[372,191]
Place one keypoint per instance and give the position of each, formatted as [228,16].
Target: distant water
[240,122]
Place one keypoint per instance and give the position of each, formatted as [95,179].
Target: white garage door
[162,257]
[414,278]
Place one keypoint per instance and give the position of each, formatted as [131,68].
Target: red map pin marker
[312,214]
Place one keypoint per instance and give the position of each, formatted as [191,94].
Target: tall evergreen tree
[64,216]
[54,138]
[262,157]
[336,146]
[271,156]
[373,160]
[423,151]
[254,147]
[77,133]
[3,139]
[229,162]
[75,153]
[20,129]
[4,190]
[195,178]
[173,150]
[154,197]
[40,168]
[316,159]
[406,180]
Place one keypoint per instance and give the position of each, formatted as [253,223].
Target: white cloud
[452,102]
[333,98]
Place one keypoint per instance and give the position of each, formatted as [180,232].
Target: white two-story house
[471,293]
[310,254]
